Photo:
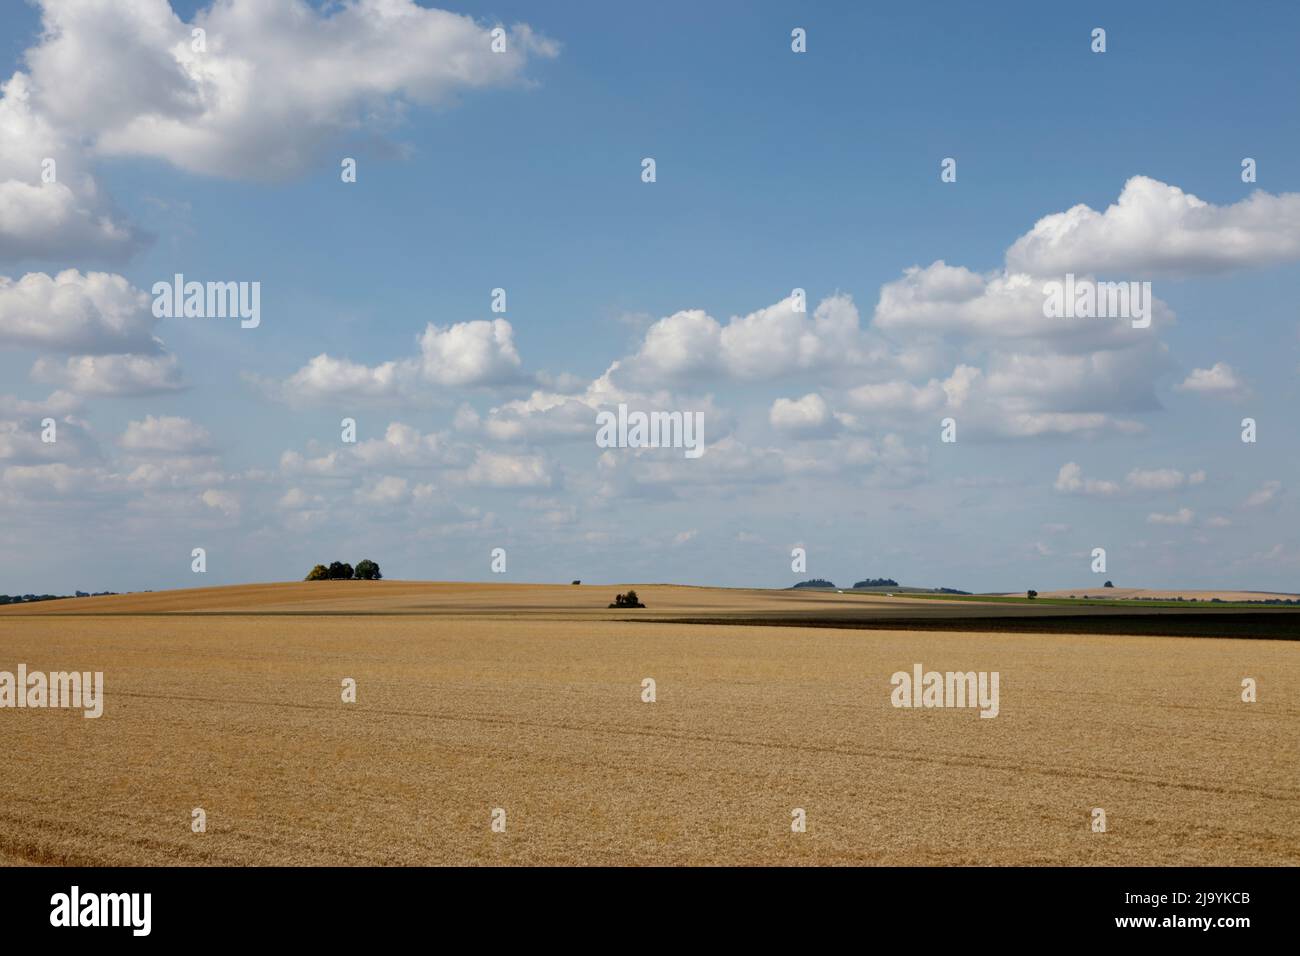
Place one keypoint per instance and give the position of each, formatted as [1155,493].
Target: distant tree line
[873,583]
[1220,600]
[366,570]
[28,598]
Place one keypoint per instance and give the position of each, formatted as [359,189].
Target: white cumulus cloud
[1156,228]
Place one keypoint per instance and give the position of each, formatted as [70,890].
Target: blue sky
[775,170]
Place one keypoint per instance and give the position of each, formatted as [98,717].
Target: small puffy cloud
[772,342]
[547,417]
[388,490]
[543,416]
[683,344]
[325,378]
[778,340]
[1155,479]
[1108,380]
[21,442]
[997,307]
[295,499]
[401,446]
[494,470]
[802,416]
[112,375]
[1218,381]
[1040,424]
[682,537]
[1180,517]
[940,298]
[176,472]
[58,478]
[1070,480]
[1263,495]
[92,314]
[1155,228]
[898,396]
[295,464]
[468,354]
[220,500]
[56,405]
[166,433]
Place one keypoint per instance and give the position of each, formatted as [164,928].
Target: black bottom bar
[653,906]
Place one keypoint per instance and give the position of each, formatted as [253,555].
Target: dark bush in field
[627,600]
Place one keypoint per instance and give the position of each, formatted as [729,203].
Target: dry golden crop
[479,697]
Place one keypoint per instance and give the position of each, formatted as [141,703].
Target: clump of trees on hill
[366,570]
[815,583]
[877,583]
[627,600]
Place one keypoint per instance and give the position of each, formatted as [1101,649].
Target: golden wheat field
[528,699]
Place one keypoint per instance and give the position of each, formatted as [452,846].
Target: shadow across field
[1248,625]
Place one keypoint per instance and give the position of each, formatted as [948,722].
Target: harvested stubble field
[472,697]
